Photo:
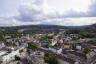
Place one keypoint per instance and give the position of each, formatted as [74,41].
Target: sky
[47,12]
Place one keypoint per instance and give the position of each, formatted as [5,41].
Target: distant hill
[91,28]
[46,28]
[37,27]
[33,28]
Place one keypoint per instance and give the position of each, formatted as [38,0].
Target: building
[90,54]
[2,45]
[6,56]
[67,46]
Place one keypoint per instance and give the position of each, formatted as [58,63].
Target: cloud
[72,13]
[92,9]
[71,21]
[10,21]
[28,11]
[31,12]
[7,21]
[38,2]
[91,12]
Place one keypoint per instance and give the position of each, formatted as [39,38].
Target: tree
[47,45]
[17,57]
[1,37]
[87,49]
[50,59]
[92,42]
[18,62]
[44,38]
[32,46]
[85,34]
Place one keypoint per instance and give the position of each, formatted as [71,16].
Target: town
[48,48]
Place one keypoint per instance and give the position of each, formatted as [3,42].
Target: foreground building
[9,54]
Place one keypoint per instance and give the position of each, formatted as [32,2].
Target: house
[78,47]
[67,46]
[53,42]
[59,51]
[2,45]
[68,38]
[74,35]
[2,52]
[90,54]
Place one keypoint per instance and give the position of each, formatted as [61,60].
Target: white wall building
[7,57]
[2,45]
[90,54]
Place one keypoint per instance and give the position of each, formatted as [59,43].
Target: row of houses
[8,55]
[62,37]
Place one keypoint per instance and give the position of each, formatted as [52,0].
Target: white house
[53,42]
[78,47]
[2,45]
[90,54]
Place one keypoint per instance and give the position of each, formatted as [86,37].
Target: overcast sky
[47,12]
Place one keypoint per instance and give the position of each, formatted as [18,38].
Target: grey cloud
[72,13]
[92,9]
[38,2]
[29,13]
